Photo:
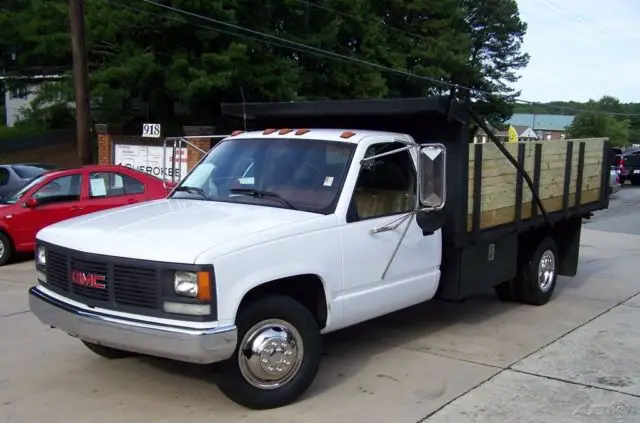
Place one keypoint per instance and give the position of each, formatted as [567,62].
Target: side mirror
[31,203]
[432,167]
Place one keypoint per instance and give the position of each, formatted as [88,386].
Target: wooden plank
[494,197]
[546,176]
[491,151]
[498,167]
[499,178]
[505,215]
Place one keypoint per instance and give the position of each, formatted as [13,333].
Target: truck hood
[171,230]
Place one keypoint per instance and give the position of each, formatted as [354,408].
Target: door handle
[77,208]
[132,201]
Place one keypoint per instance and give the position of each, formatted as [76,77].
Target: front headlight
[41,256]
[186,284]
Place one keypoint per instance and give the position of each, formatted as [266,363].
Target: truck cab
[282,234]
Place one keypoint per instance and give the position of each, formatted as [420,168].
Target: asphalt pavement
[572,360]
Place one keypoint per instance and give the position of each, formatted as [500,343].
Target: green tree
[594,122]
[496,33]
[159,65]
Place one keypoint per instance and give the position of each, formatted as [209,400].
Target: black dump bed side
[490,252]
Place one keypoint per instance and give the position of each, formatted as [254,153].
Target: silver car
[15,176]
[614,181]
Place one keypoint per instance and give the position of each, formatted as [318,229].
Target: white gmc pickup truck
[278,236]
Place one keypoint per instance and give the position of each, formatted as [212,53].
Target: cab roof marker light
[347,134]
[285,131]
[302,131]
[269,131]
[237,132]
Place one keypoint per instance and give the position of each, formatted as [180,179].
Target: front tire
[277,356]
[6,249]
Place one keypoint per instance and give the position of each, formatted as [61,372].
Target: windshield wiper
[193,190]
[262,194]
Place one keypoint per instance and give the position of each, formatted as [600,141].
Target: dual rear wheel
[536,278]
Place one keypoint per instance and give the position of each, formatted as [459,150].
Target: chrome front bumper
[174,341]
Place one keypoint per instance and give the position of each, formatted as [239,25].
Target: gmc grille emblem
[90,280]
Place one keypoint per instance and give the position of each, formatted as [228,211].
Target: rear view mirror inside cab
[432,166]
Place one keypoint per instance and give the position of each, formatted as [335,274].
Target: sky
[581,50]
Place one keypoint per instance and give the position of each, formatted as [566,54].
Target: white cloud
[580,49]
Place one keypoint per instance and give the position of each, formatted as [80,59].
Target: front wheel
[6,249]
[277,357]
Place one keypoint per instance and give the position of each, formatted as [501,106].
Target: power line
[316,49]
[367,21]
[326,53]
[560,9]
[195,25]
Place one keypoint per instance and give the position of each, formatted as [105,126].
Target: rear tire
[107,352]
[537,275]
[277,356]
[6,249]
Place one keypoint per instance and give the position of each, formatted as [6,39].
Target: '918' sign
[151,130]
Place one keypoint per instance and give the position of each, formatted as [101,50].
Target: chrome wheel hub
[270,354]
[546,270]
[1,248]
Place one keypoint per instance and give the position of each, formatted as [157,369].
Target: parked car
[631,166]
[15,176]
[62,194]
[614,181]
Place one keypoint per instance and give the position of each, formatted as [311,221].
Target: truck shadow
[348,353]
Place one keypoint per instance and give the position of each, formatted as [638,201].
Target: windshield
[14,198]
[293,173]
[28,172]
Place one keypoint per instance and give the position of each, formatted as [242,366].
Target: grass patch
[12,132]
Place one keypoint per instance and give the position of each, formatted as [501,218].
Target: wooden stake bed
[566,173]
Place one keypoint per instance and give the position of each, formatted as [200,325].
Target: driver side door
[388,264]
[57,200]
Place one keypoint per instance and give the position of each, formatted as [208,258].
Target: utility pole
[81,82]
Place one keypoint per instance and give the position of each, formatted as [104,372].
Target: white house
[20,91]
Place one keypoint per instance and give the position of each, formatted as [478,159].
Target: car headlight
[186,284]
[41,256]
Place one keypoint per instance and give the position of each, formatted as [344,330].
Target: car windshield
[293,173]
[14,198]
[28,171]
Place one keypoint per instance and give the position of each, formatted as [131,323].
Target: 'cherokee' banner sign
[148,159]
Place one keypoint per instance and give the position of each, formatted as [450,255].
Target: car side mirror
[31,203]
[432,173]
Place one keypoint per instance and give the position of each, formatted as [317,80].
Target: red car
[62,194]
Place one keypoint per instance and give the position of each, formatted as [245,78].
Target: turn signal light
[204,286]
